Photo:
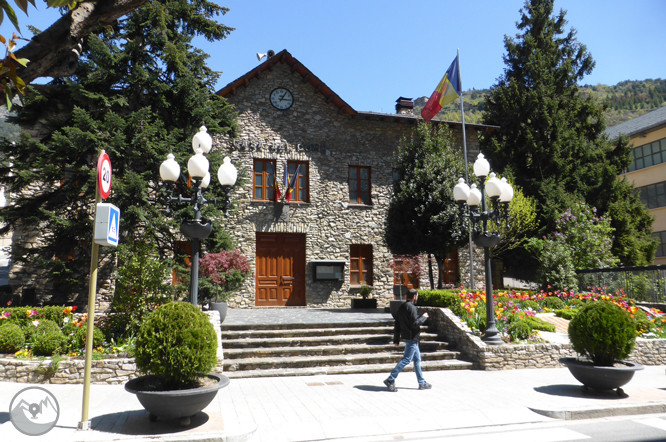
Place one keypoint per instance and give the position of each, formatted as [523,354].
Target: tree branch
[55,52]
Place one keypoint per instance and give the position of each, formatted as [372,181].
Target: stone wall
[313,130]
[72,371]
[510,357]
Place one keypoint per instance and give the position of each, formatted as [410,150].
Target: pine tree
[141,91]
[550,140]
[422,215]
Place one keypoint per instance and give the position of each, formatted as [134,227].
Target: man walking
[408,327]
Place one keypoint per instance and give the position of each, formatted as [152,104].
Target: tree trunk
[430,275]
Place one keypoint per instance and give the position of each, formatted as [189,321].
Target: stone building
[316,249]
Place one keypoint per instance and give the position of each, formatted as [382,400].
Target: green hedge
[441,298]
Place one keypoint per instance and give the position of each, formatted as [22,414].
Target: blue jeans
[412,353]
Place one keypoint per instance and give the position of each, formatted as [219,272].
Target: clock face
[281,98]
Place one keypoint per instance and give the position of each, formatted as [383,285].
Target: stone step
[299,326]
[329,360]
[324,350]
[384,369]
[329,331]
[309,341]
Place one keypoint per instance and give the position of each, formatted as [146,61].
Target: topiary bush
[566,313]
[12,338]
[47,339]
[552,303]
[82,332]
[519,330]
[176,343]
[602,331]
[529,304]
[441,298]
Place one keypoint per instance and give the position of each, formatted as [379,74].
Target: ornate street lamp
[196,229]
[500,194]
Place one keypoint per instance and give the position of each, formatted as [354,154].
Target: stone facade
[323,131]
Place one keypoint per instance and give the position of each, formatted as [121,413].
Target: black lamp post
[197,228]
[500,194]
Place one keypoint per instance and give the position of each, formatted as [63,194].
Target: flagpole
[462,114]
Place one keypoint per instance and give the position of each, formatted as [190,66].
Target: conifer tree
[141,91]
[551,141]
[422,215]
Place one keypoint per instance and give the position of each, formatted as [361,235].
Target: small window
[301,191]
[264,180]
[359,185]
[661,248]
[360,264]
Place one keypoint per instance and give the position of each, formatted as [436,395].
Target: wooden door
[451,268]
[280,279]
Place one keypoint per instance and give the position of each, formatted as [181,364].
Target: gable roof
[639,125]
[330,96]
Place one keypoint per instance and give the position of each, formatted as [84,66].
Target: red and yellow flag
[447,90]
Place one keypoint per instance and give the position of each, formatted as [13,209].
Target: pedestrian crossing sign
[107,224]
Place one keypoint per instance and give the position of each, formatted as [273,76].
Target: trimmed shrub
[519,330]
[566,313]
[539,324]
[441,298]
[12,338]
[529,304]
[82,332]
[552,303]
[47,339]
[602,331]
[176,343]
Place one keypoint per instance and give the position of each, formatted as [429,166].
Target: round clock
[282,98]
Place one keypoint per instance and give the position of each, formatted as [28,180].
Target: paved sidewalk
[337,406]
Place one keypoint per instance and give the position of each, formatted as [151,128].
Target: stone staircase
[311,349]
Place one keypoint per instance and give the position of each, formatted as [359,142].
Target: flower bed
[513,308]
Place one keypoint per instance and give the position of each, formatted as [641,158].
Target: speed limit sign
[104,175]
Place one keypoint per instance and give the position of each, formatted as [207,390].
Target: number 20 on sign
[104,175]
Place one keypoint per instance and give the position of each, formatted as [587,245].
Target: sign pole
[94,257]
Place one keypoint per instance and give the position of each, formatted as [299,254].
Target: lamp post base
[492,338]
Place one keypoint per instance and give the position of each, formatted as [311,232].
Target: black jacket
[407,323]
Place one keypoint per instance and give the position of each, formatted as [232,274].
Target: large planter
[176,404]
[363,303]
[601,378]
[220,307]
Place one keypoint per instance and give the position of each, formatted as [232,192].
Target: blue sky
[370,52]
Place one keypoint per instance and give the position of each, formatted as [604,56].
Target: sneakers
[390,385]
[425,386]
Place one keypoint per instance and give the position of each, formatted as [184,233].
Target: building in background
[647,171]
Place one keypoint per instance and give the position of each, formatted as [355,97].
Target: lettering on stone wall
[275,146]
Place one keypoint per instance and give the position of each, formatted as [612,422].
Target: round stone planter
[601,378]
[220,307]
[176,404]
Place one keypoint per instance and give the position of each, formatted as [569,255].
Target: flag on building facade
[276,186]
[447,90]
[292,184]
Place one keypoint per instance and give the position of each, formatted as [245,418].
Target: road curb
[591,413]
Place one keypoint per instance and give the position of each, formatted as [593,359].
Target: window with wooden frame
[360,264]
[359,185]
[403,274]
[301,191]
[263,182]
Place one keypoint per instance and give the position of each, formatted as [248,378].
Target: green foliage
[556,269]
[176,343]
[142,285]
[12,338]
[552,303]
[529,304]
[566,313]
[602,331]
[552,142]
[522,221]
[365,290]
[538,324]
[422,216]
[48,339]
[441,298]
[519,330]
[105,105]
[82,333]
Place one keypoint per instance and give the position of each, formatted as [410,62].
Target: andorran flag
[447,90]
